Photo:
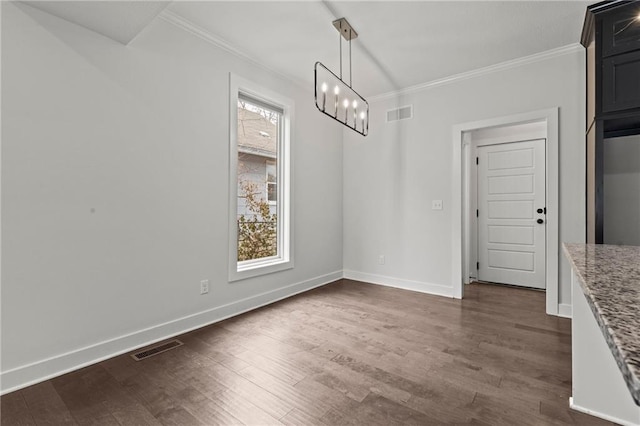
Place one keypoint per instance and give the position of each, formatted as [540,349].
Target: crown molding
[537,57]
[188,26]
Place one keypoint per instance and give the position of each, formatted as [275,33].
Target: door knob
[540,210]
[540,221]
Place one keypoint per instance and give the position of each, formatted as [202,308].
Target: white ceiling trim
[190,27]
[537,57]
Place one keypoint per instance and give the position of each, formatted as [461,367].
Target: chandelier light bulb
[355,113]
[336,91]
[346,109]
[324,95]
[363,115]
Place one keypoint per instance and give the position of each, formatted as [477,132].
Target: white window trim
[284,260]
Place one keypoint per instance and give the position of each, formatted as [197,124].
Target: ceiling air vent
[155,350]
[402,113]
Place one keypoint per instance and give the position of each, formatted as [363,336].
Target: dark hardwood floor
[348,353]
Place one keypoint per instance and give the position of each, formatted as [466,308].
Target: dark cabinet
[621,82]
[611,36]
[620,32]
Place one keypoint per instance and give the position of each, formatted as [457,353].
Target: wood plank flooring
[348,353]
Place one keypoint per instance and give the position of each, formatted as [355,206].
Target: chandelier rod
[350,66]
[340,42]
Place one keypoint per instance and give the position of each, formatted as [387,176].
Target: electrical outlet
[436,205]
[381,259]
[204,286]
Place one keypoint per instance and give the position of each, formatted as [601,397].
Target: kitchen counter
[606,288]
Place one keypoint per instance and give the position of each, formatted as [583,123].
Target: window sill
[259,268]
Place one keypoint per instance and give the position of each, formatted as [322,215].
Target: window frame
[284,260]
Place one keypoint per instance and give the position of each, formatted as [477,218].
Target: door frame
[460,202]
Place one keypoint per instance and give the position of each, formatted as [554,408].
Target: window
[260,219]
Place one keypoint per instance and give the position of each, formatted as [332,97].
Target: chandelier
[333,96]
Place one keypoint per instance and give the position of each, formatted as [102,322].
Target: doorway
[510,213]
[463,207]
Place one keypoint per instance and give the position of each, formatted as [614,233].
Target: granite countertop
[610,278]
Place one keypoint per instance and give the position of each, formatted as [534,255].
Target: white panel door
[511,213]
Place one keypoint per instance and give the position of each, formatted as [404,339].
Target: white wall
[622,191]
[391,177]
[115,188]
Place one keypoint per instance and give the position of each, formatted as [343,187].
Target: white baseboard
[600,415]
[26,375]
[565,310]
[419,286]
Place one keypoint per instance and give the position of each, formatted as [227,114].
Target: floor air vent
[402,113]
[139,356]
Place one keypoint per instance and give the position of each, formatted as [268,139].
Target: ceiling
[400,43]
[118,20]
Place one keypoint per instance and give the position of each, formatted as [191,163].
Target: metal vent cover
[402,113]
[155,350]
